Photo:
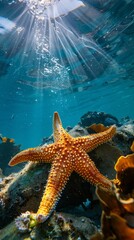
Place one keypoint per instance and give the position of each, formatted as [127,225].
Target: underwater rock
[47,140]
[59,226]
[23,191]
[78,131]
[128,129]
[124,138]
[127,126]
[104,157]
[1,174]
[98,117]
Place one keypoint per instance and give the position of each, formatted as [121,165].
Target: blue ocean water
[77,62]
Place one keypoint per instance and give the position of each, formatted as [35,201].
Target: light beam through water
[60,56]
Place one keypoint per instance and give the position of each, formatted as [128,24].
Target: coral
[125,173]
[117,217]
[23,222]
[118,203]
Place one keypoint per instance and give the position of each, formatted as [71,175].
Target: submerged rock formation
[59,226]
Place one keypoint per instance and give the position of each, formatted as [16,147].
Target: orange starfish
[67,154]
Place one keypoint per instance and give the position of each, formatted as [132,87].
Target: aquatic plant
[117,221]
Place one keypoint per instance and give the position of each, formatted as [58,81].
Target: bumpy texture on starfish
[67,154]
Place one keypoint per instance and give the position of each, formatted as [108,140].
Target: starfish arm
[86,168]
[58,131]
[58,177]
[57,127]
[39,154]
[88,143]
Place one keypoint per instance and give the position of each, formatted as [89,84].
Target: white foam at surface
[52,8]
[6,25]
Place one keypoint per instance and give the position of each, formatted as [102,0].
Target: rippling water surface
[80,61]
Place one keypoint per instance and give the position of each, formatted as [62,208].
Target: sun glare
[61,53]
[52,8]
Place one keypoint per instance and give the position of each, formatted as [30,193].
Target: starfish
[67,154]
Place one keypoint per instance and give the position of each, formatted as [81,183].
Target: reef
[22,192]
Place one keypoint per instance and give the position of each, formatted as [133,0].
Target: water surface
[82,61]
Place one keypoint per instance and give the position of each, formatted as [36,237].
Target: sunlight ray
[51,39]
[87,40]
[74,42]
[54,37]
[67,48]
